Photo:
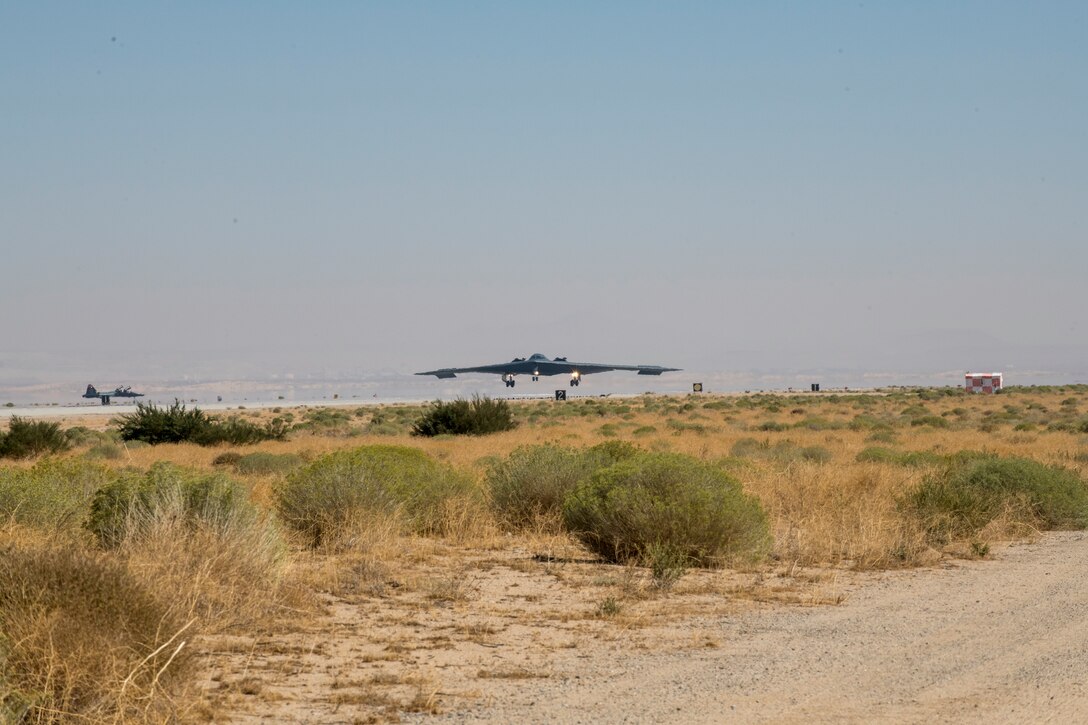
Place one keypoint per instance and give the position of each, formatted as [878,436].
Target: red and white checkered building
[982,382]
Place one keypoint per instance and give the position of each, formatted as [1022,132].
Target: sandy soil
[508,639]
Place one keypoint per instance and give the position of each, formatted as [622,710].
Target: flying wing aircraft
[117,393]
[537,365]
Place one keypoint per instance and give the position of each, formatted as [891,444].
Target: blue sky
[255,188]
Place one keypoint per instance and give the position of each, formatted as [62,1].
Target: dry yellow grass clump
[217,609]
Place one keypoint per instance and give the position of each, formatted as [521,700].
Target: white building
[982,382]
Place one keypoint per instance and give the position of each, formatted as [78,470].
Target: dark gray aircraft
[117,393]
[537,365]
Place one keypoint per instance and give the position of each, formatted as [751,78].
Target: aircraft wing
[588,368]
[499,369]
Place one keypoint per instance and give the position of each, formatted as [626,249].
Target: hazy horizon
[248,190]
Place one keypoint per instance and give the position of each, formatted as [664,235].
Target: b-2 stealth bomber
[537,365]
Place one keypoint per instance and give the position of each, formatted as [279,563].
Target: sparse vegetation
[196,538]
[134,504]
[264,464]
[105,451]
[667,563]
[176,424]
[478,416]
[54,495]
[28,438]
[970,495]
[419,533]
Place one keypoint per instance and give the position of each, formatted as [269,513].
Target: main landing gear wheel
[509,383]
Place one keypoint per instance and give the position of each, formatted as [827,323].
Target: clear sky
[256,188]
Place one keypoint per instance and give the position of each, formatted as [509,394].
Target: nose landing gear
[575,379]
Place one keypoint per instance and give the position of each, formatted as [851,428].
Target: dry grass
[81,638]
[840,513]
[228,582]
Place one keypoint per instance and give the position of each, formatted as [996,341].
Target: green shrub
[910,459]
[680,426]
[239,432]
[963,499]
[176,424]
[818,423]
[920,459]
[863,421]
[883,436]
[54,494]
[876,454]
[816,454]
[26,438]
[325,420]
[320,499]
[478,416]
[83,436]
[694,509]
[108,451]
[534,480]
[260,463]
[154,425]
[383,424]
[933,421]
[610,452]
[197,538]
[782,453]
[667,563]
[749,448]
[135,503]
[264,464]
[74,626]
[227,458]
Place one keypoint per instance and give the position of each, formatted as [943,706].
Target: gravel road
[1003,640]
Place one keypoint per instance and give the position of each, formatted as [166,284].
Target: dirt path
[989,641]
[510,640]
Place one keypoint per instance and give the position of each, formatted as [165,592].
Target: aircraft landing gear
[509,380]
[575,379]
[535,378]
[574,382]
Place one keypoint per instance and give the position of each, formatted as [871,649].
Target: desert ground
[857,612]
[1002,641]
